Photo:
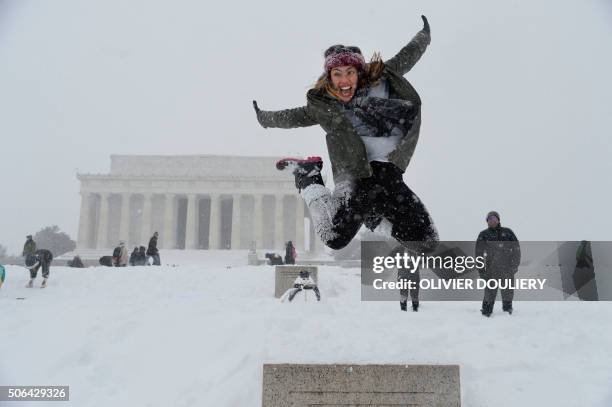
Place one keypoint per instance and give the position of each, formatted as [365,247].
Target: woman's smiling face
[344,82]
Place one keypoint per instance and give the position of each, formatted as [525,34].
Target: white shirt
[379,148]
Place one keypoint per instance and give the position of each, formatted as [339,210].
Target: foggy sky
[516,109]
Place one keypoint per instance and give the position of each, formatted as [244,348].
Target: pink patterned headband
[344,59]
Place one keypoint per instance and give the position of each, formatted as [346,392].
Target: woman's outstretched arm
[411,53]
[284,119]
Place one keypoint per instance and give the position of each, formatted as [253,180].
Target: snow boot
[415,306]
[44,283]
[30,284]
[507,307]
[487,309]
[404,305]
[307,171]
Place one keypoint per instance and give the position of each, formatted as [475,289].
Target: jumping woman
[372,117]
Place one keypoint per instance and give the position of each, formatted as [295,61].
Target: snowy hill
[198,334]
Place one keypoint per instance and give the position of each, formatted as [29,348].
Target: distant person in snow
[76,262]
[40,259]
[274,259]
[134,256]
[584,273]
[107,261]
[415,277]
[502,252]
[29,246]
[143,260]
[290,253]
[120,255]
[153,251]
[372,117]
[2,275]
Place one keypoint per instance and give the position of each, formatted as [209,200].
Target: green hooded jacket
[347,152]
[29,247]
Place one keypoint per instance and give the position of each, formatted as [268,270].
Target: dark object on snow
[134,256]
[290,253]
[274,259]
[106,261]
[507,307]
[502,253]
[40,258]
[153,251]
[138,256]
[487,308]
[142,257]
[76,262]
[415,278]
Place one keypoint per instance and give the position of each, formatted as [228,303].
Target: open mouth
[346,91]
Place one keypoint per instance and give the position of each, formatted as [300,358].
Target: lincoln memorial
[194,202]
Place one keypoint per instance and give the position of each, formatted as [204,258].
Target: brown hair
[368,76]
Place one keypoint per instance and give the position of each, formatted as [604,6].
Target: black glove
[258,113]
[425,25]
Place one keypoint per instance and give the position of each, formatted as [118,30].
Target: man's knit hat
[493,213]
[342,55]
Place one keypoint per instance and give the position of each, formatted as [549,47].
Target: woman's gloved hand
[426,25]
[258,113]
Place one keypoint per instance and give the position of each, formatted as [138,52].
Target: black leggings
[45,270]
[383,195]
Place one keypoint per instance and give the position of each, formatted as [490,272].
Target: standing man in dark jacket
[502,253]
[29,247]
[40,258]
[152,250]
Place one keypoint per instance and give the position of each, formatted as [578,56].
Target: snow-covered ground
[197,334]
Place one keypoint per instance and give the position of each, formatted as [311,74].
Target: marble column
[299,223]
[147,204]
[258,220]
[102,239]
[84,238]
[214,240]
[236,222]
[279,243]
[124,225]
[191,227]
[169,236]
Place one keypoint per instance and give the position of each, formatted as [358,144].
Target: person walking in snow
[40,258]
[29,247]
[153,251]
[372,117]
[502,252]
